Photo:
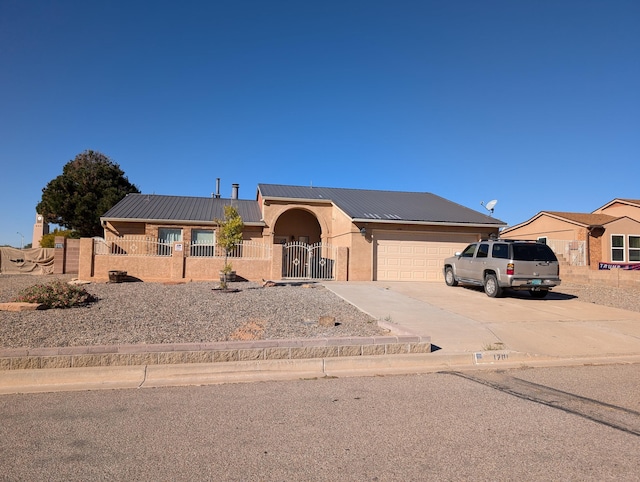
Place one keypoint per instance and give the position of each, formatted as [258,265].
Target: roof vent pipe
[234,191]
[217,187]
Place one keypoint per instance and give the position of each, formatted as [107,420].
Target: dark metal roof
[383,206]
[180,209]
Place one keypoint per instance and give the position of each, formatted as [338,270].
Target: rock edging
[164,354]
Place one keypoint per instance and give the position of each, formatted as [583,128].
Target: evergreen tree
[89,186]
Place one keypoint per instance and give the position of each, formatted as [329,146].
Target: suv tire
[491,286]
[449,278]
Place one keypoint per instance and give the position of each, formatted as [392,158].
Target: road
[578,423]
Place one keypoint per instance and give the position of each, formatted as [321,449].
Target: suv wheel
[449,278]
[491,286]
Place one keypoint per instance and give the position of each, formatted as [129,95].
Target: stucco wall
[546,226]
[273,214]
[624,227]
[620,210]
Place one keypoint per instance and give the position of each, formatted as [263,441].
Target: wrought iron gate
[308,261]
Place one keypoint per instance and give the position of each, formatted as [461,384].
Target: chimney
[217,195]
[234,191]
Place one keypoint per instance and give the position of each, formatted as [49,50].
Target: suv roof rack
[511,240]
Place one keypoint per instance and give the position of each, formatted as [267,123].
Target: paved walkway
[463,320]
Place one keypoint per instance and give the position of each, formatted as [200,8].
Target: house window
[634,249]
[166,238]
[617,247]
[203,242]
[542,240]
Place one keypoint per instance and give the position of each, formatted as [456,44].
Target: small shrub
[57,294]
[48,240]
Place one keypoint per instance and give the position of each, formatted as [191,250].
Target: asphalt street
[409,427]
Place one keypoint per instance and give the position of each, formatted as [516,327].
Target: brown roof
[584,218]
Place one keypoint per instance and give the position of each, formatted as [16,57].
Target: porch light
[363,231]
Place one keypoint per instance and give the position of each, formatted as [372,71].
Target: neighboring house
[610,235]
[387,235]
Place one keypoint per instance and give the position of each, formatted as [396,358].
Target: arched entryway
[297,225]
[304,255]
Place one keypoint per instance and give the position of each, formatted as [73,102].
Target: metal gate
[308,261]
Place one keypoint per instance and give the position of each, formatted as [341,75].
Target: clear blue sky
[533,103]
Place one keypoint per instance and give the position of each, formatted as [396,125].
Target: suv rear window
[500,251]
[533,252]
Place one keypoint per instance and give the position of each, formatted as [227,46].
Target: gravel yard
[136,313]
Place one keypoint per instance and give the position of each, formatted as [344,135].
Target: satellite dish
[490,206]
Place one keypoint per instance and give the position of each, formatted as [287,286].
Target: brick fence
[619,278]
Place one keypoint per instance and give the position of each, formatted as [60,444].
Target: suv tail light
[510,269]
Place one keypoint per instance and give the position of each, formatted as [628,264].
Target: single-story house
[383,235]
[608,236]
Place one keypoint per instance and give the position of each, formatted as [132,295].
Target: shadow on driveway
[524,295]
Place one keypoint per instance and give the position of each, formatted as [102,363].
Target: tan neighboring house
[605,238]
[299,232]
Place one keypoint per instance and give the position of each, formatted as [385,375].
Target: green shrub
[57,294]
[48,240]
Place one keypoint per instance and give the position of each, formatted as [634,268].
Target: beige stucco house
[365,234]
[606,237]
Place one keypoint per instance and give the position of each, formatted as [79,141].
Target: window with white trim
[634,249]
[617,247]
[203,242]
[166,238]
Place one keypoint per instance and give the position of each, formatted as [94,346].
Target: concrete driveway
[462,320]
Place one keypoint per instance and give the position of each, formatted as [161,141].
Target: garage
[415,256]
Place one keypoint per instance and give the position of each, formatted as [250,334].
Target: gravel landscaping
[137,313]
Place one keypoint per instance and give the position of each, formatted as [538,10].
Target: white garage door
[415,256]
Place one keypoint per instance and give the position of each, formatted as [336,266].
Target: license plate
[536,282]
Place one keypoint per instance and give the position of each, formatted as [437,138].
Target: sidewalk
[466,329]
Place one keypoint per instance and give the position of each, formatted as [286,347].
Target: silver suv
[505,263]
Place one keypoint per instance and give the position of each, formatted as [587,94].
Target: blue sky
[533,103]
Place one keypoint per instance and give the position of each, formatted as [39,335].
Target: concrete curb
[70,379]
[152,376]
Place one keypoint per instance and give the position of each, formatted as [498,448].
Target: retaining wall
[163,354]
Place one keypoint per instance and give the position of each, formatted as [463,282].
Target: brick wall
[66,255]
[614,277]
[179,267]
